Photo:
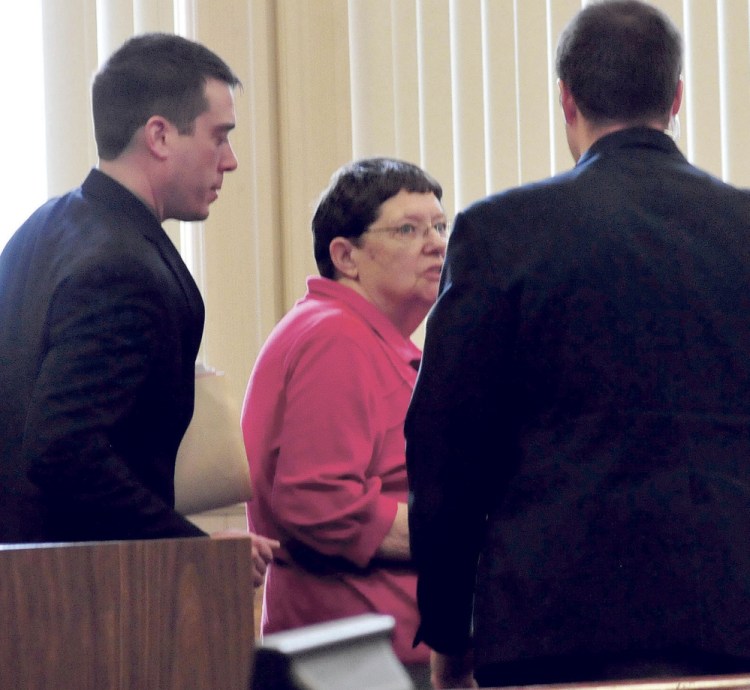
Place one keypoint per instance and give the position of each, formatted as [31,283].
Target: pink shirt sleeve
[327,489]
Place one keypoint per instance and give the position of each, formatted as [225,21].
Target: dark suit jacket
[100,323]
[578,443]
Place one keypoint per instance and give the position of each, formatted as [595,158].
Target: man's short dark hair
[152,74]
[352,201]
[621,61]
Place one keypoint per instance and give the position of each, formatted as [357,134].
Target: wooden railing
[736,682]
[164,615]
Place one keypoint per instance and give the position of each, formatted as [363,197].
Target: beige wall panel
[468,102]
[260,161]
[405,80]
[314,121]
[372,78]
[435,96]
[533,90]
[153,15]
[503,161]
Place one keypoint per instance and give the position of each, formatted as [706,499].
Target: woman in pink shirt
[324,410]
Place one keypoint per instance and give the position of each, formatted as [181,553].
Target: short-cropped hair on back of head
[351,202]
[621,61]
[152,74]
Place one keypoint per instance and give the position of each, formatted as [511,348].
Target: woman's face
[400,256]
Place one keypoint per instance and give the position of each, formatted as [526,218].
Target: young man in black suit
[578,443]
[100,320]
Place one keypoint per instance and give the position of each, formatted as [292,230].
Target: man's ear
[156,133]
[568,103]
[343,256]
[677,102]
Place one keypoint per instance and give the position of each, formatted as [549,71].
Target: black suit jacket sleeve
[97,383]
[449,427]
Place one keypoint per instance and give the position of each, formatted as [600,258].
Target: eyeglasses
[410,231]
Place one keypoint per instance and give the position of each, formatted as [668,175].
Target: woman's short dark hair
[621,61]
[352,201]
[152,74]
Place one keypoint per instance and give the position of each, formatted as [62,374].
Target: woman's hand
[262,551]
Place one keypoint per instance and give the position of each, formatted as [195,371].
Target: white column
[70,60]
[114,19]
[700,114]
[734,63]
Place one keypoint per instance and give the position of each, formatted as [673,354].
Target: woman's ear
[343,256]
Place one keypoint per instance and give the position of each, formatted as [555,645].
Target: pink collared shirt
[323,428]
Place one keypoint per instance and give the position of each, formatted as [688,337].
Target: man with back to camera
[580,429]
[100,320]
